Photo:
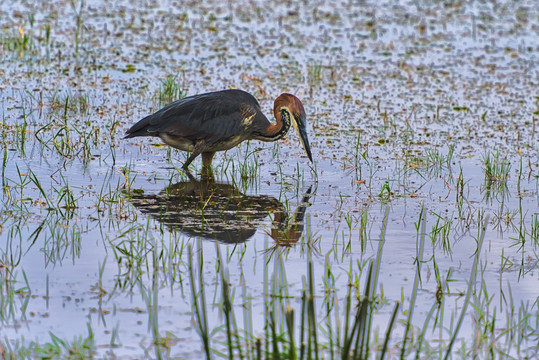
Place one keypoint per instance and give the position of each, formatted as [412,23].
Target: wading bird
[218,121]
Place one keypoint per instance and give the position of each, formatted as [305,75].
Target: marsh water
[422,118]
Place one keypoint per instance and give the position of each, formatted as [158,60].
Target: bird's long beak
[299,125]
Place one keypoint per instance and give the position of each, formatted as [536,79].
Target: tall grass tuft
[199,298]
[471,284]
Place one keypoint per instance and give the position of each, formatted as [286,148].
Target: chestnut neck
[280,128]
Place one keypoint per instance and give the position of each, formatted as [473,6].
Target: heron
[217,121]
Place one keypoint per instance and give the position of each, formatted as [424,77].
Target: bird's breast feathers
[177,142]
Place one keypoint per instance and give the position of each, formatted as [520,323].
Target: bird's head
[287,106]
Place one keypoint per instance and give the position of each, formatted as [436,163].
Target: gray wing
[209,117]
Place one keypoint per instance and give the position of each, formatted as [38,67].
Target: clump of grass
[74,104]
[21,42]
[496,169]
[78,348]
[315,74]
[245,173]
[249,168]
[420,228]
[199,298]
[170,90]
[534,233]
[433,161]
[386,193]
[286,336]
[70,133]
[79,26]
[363,229]
[459,190]
[496,172]
[471,283]
[440,234]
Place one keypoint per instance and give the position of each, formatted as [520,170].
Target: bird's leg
[207,158]
[192,157]
[191,177]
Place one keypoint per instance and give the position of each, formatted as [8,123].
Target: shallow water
[404,101]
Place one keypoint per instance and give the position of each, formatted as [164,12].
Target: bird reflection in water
[219,211]
[288,230]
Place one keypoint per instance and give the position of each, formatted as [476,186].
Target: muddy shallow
[405,102]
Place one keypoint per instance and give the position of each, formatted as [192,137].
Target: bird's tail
[139,129]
